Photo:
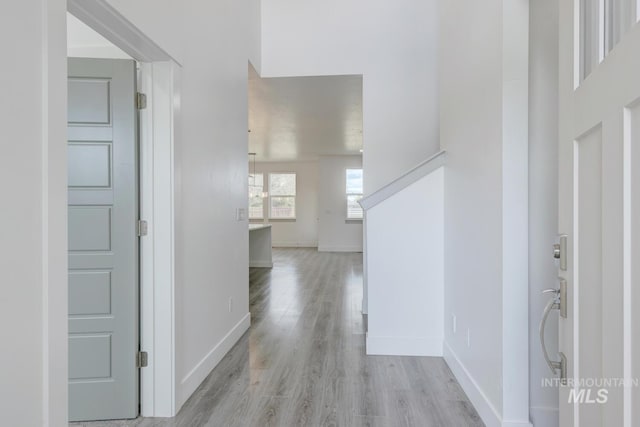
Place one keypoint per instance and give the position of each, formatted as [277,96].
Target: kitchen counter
[260,246]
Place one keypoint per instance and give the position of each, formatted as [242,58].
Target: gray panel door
[103,243]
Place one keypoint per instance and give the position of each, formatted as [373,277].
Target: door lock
[560,252]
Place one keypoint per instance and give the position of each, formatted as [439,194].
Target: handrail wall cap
[403,181]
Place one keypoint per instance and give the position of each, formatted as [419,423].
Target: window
[282,195]
[602,26]
[256,189]
[354,193]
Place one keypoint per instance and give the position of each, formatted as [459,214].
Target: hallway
[302,363]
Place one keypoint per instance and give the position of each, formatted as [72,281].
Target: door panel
[90,293]
[91,99]
[599,191]
[89,165]
[103,246]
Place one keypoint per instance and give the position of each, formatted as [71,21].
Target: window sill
[353,221]
[282,219]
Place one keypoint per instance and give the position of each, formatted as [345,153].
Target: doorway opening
[96,30]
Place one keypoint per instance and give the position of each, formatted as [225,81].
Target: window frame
[353,193]
[262,215]
[283,196]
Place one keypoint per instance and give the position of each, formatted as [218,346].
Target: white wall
[255,34]
[471,129]
[543,198]
[483,110]
[335,233]
[33,226]
[392,44]
[406,270]
[211,176]
[303,232]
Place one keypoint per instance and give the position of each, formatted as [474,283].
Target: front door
[599,149]
[103,246]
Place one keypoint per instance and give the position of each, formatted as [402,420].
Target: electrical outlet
[468,337]
[230,305]
[454,323]
[241,214]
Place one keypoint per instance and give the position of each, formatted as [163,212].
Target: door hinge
[141,101]
[143,228]
[142,359]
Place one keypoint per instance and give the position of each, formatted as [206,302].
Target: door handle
[554,303]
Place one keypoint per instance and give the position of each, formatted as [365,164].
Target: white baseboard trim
[294,244]
[194,378]
[339,248]
[476,395]
[403,346]
[483,405]
[261,264]
[544,417]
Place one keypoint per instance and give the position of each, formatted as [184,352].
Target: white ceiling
[302,118]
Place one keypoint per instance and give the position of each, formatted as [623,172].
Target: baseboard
[294,244]
[194,378]
[403,346]
[476,395]
[339,248]
[490,416]
[545,417]
[483,405]
[261,264]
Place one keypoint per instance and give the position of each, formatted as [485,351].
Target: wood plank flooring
[303,362]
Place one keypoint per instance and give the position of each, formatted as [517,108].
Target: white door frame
[160,78]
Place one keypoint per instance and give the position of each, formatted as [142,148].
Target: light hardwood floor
[303,362]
